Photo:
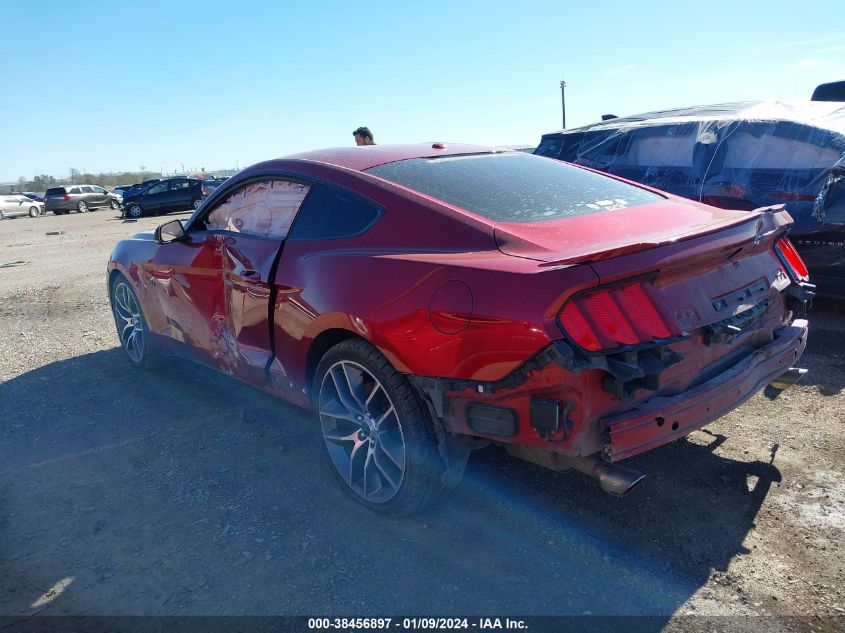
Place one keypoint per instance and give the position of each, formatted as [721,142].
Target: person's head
[363,136]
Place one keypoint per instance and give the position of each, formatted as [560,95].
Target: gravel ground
[183,492]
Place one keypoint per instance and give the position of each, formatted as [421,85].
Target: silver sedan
[12,205]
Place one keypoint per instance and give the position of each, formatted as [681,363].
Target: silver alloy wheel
[196,204]
[134,211]
[82,207]
[113,204]
[33,212]
[127,317]
[362,431]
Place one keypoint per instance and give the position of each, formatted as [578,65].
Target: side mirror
[172,231]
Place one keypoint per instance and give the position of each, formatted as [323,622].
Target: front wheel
[134,211]
[378,435]
[34,212]
[113,204]
[132,330]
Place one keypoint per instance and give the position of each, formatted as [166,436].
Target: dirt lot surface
[184,492]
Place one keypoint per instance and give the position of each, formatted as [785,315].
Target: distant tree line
[44,182]
[109,181]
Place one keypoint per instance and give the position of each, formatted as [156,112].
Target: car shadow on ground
[182,491]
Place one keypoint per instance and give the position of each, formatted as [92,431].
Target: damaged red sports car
[428,300]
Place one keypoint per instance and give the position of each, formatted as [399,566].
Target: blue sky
[106,86]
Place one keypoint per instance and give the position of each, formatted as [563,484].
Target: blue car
[163,196]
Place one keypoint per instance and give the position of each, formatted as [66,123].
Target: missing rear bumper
[663,419]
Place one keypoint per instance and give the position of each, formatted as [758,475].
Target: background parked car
[735,156]
[32,196]
[170,194]
[210,185]
[82,198]
[16,204]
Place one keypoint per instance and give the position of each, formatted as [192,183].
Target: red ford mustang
[427,300]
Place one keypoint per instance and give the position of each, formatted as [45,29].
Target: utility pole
[563,101]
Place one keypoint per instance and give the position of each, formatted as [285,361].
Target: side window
[159,188]
[265,209]
[87,189]
[99,190]
[74,190]
[333,213]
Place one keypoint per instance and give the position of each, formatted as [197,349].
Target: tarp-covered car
[738,156]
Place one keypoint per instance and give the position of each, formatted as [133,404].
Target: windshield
[513,187]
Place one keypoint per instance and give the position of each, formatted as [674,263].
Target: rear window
[513,187]
[56,191]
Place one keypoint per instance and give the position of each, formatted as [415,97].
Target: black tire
[2,217]
[147,356]
[420,483]
[195,203]
[114,204]
[33,212]
[134,211]
[82,206]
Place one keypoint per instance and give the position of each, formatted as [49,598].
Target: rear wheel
[378,435]
[82,206]
[132,329]
[33,212]
[134,211]
[196,203]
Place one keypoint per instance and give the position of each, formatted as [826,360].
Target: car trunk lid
[608,234]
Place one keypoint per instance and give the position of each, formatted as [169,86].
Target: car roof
[820,114]
[364,157]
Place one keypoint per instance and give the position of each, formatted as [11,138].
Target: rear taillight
[616,317]
[791,260]
[66,197]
